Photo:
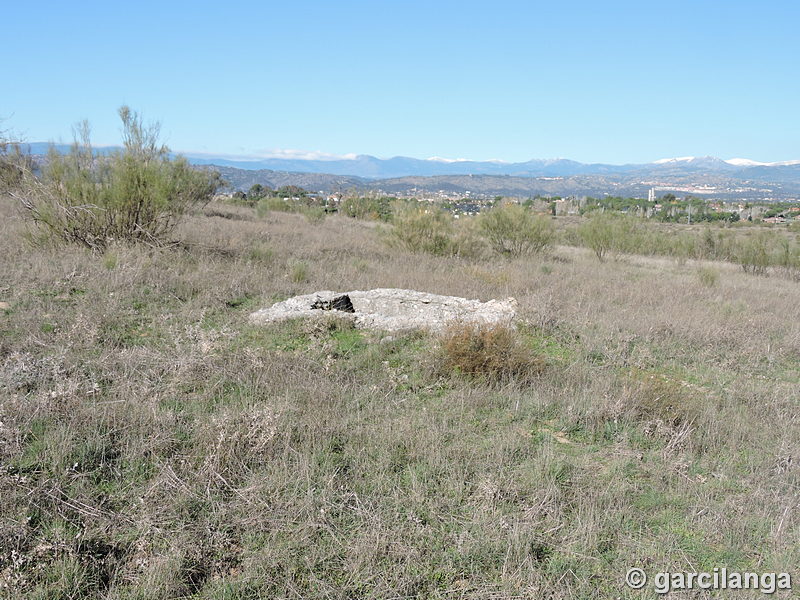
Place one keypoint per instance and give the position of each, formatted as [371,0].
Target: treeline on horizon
[609,227]
[665,209]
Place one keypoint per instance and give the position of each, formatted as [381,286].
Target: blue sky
[593,81]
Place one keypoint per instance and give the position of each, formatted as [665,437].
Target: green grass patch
[549,347]
[349,342]
[129,330]
[243,302]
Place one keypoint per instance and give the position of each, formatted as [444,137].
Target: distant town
[667,207]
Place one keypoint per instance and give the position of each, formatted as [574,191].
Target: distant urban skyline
[618,82]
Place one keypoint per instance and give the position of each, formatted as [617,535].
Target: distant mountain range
[702,176]
[371,167]
[733,178]
[366,166]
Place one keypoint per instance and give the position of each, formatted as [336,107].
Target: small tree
[513,229]
[138,194]
[291,191]
[257,192]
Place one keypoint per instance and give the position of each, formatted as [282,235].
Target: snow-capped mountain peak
[664,161]
[447,160]
[745,162]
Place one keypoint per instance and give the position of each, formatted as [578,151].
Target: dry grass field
[153,444]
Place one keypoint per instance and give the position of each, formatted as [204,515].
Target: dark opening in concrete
[341,303]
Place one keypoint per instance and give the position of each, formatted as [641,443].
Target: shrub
[788,258]
[256,192]
[260,253]
[598,233]
[493,353]
[466,240]
[13,163]
[299,272]
[653,396]
[313,214]
[427,230]
[753,253]
[708,276]
[513,229]
[136,195]
[712,246]
[367,208]
[240,198]
[270,203]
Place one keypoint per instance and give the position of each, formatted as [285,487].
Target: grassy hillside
[153,444]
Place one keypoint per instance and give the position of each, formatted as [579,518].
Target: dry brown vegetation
[487,353]
[154,445]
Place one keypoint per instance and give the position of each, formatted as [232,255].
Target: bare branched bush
[136,195]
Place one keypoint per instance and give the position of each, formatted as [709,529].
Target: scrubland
[153,444]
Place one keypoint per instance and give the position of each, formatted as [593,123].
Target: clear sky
[592,81]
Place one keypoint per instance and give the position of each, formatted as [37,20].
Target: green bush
[313,214]
[138,194]
[515,230]
[753,253]
[716,246]
[598,233]
[270,203]
[789,258]
[367,208]
[299,272]
[432,231]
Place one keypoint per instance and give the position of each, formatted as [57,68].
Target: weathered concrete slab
[390,309]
